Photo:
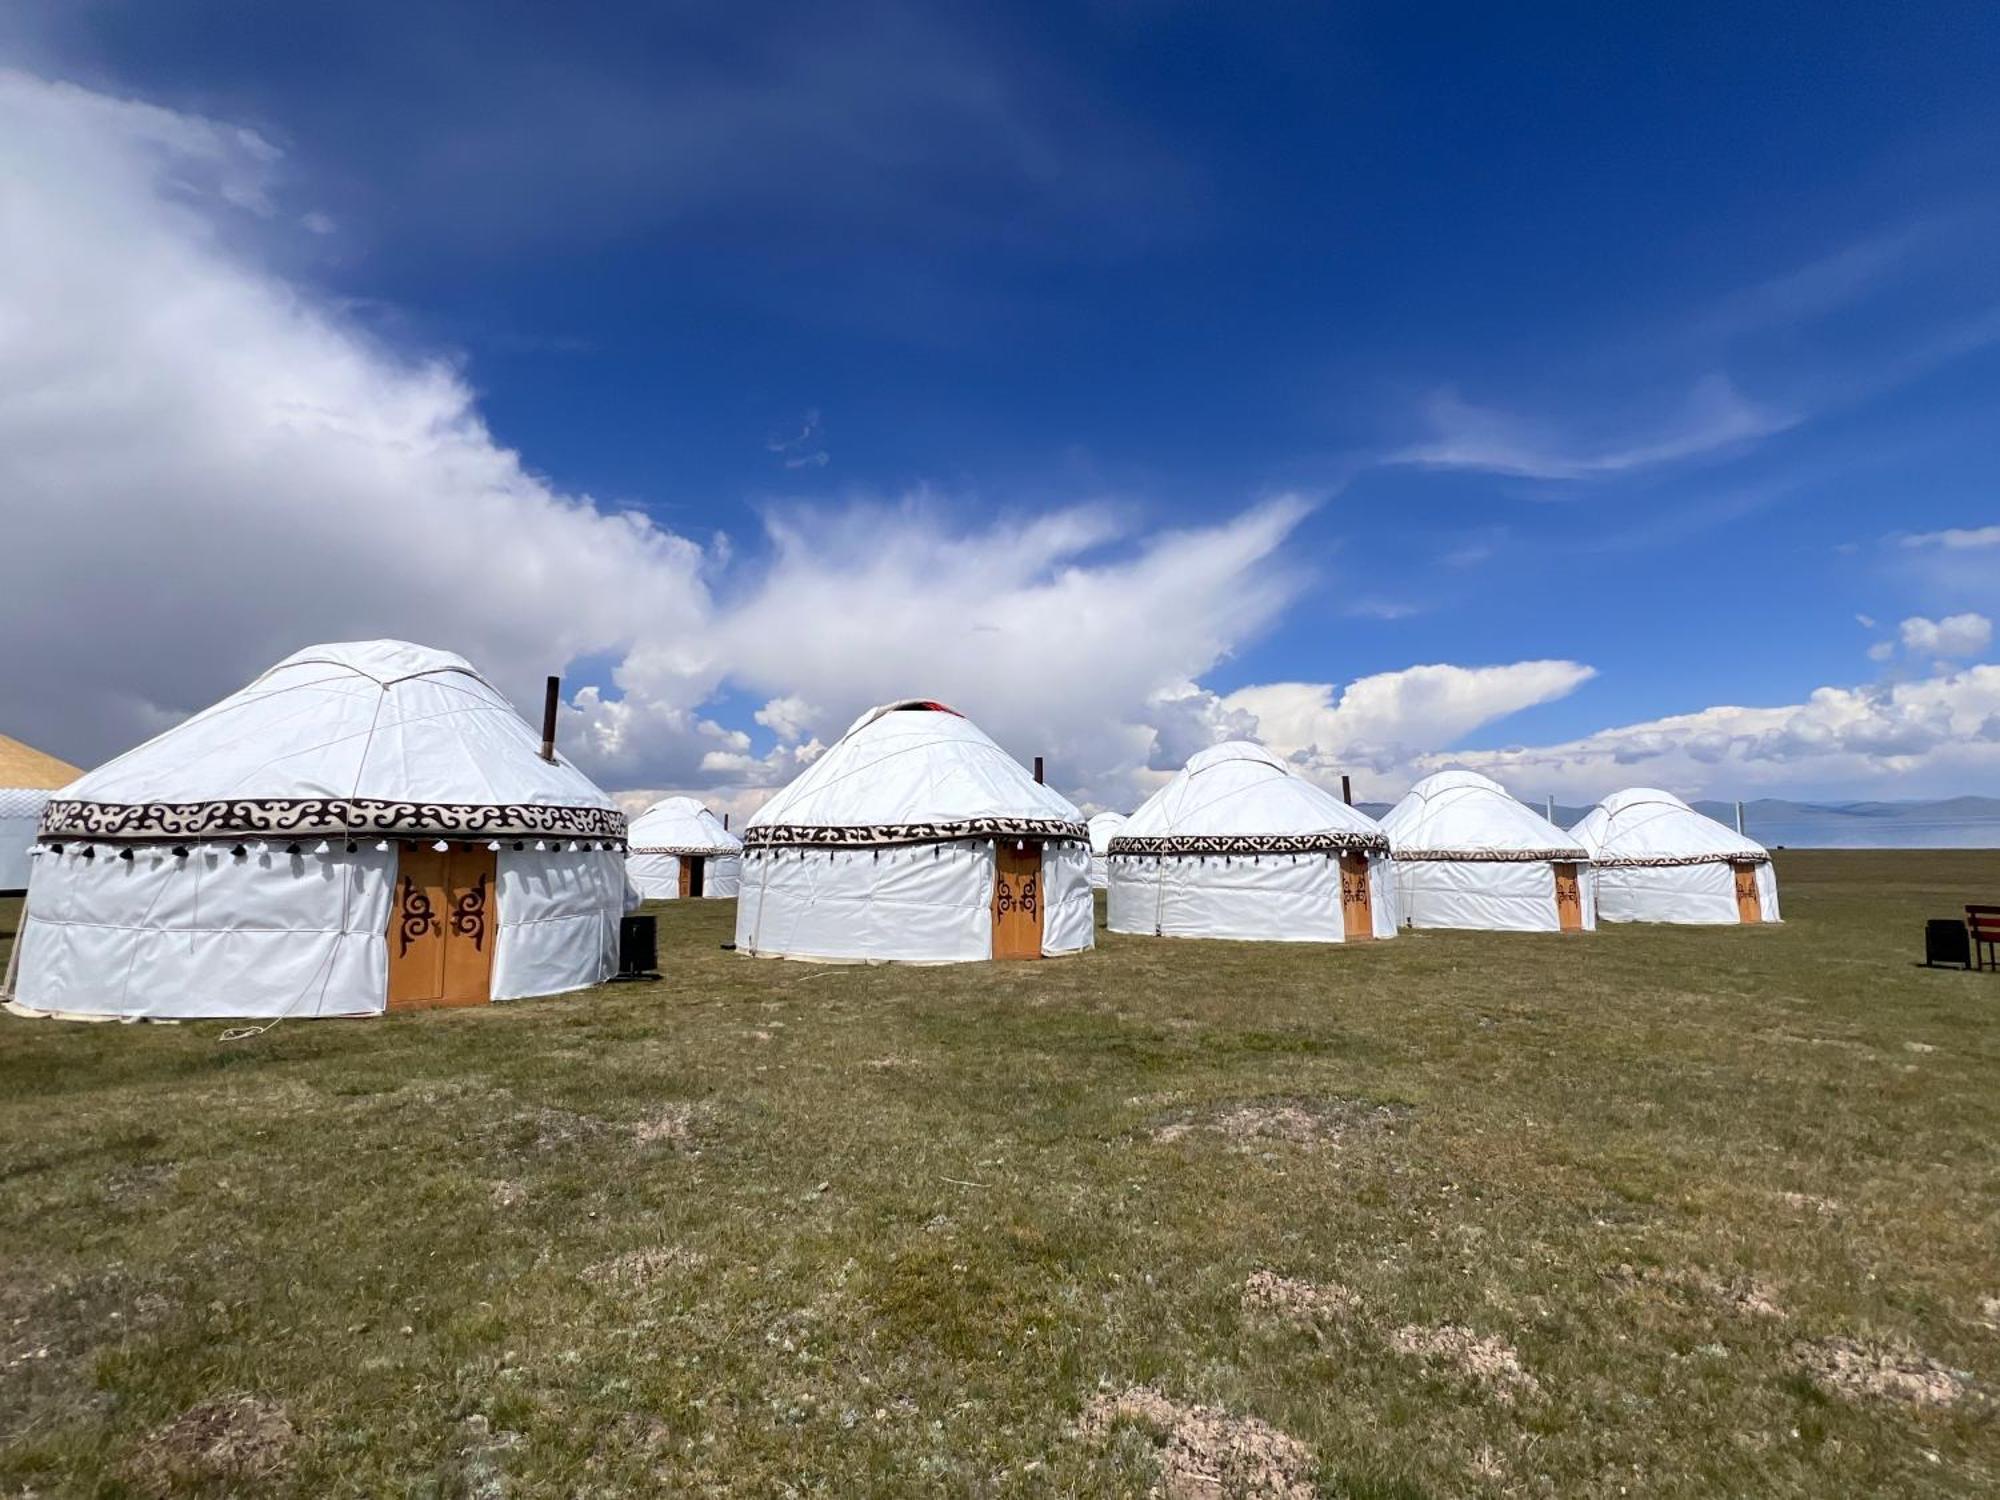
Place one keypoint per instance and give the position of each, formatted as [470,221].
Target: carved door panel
[1569,899]
[684,864]
[1749,907]
[1017,899]
[442,924]
[1357,917]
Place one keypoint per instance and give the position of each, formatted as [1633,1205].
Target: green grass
[904,1224]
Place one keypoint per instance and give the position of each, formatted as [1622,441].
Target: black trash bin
[1947,944]
[639,948]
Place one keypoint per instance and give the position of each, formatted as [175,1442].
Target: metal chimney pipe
[1739,817]
[1038,770]
[1552,807]
[725,822]
[550,703]
[1346,791]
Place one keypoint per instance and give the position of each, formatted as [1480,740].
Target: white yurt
[367,826]
[1658,860]
[1103,828]
[915,839]
[678,849]
[1239,845]
[1469,855]
[27,777]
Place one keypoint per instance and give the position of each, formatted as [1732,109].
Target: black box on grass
[1947,944]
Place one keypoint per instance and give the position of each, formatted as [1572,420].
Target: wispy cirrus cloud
[1952,539]
[1716,417]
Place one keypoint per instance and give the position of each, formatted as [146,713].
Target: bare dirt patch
[1810,1203]
[1206,1453]
[1989,1311]
[231,1440]
[1311,1123]
[1746,1296]
[1868,1370]
[1480,1358]
[637,1268]
[1306,1303]
[676,1126]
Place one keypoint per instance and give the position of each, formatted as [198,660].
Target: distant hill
[1948,823]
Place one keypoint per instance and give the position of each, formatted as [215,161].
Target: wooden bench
[1983,923]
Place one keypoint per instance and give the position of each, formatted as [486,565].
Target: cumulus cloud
[1953,637]
[1465,436]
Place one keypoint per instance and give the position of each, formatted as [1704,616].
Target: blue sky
[1635,339]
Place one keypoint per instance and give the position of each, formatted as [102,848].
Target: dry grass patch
[1746,1296]
[1481,1358]
[1874,1371]
[1307,1303]
[637,1268]
[1205,1452]
[230,1441]
[1310,1123]
[673,1126]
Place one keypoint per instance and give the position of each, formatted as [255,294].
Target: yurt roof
[1239,798]
[25,767]
[355,737]
[1462,815]
[1104,827]
[1646,826]
[914,771]
[680,825]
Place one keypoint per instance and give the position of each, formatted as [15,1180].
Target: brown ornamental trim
[793,835]
[324,815]
[1253,843]
[1658,861]
[1495,856]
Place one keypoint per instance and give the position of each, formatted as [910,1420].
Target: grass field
[1656,1212]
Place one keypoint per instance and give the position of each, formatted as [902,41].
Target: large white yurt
[367,826]
[1658,860]
[1103,828]
[678,849]
[27,777]
[1239,845]
[1468,855]
[915,839]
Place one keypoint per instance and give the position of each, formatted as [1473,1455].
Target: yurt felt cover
[674,827]
[1468,855]
[1240,845]
[1103,827]
[882,849]
[1658,860]
[208,873]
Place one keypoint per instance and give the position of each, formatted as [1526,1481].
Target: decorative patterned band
[323,815]
[1495,856]
[780,835]
[701,851]
[1254,843]
[1655,861]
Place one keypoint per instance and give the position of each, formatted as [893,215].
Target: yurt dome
[1103,828]
[677,848]
[27,777]
[369,825]
[914,838]
[1239,845]
[1658,860]
[1469,855]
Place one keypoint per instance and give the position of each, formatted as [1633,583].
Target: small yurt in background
[677,849]
[1239,845]
[1658,860]
[27,776]
[367,826]
[1104,828]
[915,839]
[1469,855]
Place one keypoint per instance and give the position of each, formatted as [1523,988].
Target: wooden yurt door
[690,877]
[442,923]
[1569,899]
[1357,918]
[1749,908]
[1017,899]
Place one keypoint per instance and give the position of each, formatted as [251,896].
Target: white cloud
[1466,436]
[1953,637]
[1932,736]
[1954,539]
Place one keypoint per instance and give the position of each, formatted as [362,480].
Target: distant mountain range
[1949,823]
